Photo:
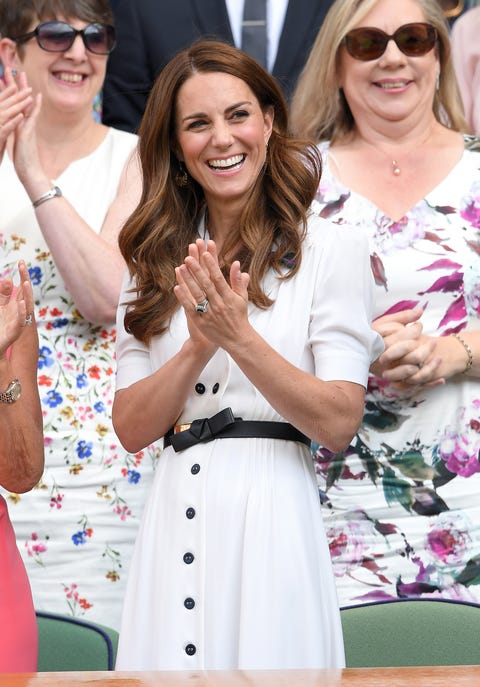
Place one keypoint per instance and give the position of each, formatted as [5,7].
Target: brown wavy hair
[272,225]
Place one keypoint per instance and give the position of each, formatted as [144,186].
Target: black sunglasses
[58,36]
[414,40]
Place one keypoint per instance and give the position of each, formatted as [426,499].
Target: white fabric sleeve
[341,338]
[133,357]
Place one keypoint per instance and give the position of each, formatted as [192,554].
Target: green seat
[411,632]
[66,643]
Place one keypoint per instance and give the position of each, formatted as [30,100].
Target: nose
[77,50]
[393,54]
[222,135]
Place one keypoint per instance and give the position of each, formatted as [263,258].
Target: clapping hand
[16,101]
[16,309]
[216,310]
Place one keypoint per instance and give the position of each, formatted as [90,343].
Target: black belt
[224,425]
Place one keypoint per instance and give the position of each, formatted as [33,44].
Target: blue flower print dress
[76,528]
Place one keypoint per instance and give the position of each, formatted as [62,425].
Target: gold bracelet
[468,350]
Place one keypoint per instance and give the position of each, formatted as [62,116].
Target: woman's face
[393,87]
[222,134]
[68,81]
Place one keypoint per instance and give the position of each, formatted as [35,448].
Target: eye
[240,114]
[197,124]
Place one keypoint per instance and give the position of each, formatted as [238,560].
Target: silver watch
[12,393]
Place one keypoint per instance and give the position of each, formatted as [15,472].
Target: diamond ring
[28,320]
[202,306]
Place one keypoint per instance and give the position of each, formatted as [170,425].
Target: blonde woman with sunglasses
[379,96]
[66,186]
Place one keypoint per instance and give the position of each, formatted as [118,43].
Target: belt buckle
[181,428]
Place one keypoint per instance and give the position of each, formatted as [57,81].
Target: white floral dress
[76,528]
[402,504]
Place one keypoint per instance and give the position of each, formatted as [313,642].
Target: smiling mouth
[391,84]
[70,78]
[229,163]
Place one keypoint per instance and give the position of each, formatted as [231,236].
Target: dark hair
[17,16]
[155,238]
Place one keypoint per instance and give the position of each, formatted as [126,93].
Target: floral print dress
[402,504]
[76,528]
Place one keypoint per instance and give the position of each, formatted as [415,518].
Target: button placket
[191,561]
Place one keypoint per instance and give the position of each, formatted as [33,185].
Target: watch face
[15,390]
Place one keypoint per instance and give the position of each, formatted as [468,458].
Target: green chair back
[411,632]
[66,643]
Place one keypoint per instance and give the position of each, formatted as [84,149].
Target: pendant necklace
[395,168]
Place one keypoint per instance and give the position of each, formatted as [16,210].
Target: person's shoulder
[121,143]
[322,233]
[123,136]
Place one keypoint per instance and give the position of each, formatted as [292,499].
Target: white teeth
[229,162]
[393,84]
[72,78]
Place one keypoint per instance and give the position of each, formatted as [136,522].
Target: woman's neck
[221,221]
[398,134]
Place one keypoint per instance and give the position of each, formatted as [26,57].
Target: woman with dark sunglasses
[66,185]
[379,96]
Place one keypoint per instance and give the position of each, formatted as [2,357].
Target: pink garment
[465,39]
[18,626]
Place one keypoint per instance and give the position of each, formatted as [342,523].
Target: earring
[437,82]
[181,178]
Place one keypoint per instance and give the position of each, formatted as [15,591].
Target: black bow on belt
[202,430]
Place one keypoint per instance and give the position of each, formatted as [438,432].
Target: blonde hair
[319,109]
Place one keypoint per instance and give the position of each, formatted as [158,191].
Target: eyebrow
[227,110]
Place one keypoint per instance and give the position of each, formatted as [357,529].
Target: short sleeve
[133,357]
[341,337]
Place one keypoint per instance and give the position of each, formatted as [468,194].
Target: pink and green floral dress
[76,528]
[402,504]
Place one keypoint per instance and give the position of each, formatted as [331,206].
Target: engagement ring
[202,306]
[28,320]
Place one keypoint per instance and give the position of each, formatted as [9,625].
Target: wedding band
[202,306]
[28,320]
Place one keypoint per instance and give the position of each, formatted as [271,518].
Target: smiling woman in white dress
[243,329]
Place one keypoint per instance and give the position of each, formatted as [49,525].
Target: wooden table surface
[447,676]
